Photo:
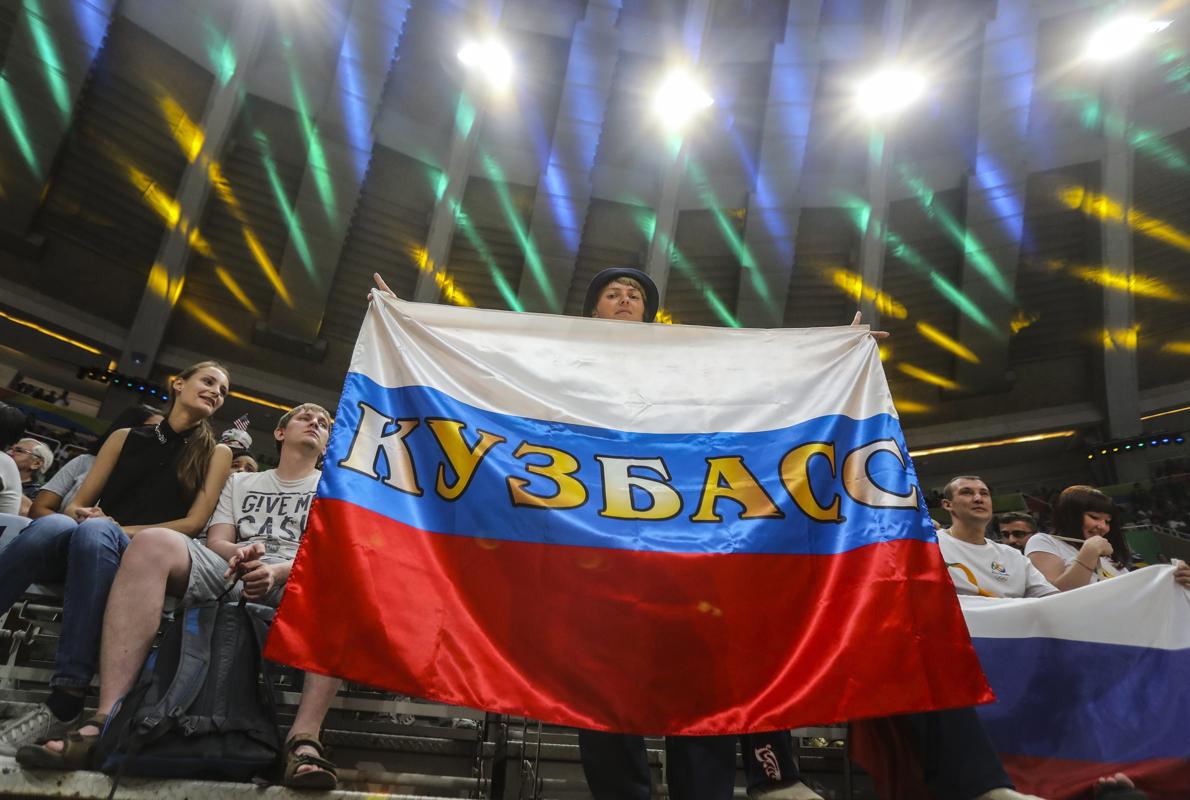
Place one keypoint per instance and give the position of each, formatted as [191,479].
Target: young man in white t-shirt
[253,534]
[977,566]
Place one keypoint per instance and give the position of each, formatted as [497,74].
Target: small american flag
[241,424]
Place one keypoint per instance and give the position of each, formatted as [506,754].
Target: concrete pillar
[564,188]
[770,230]
[674,170]
[168,273]
[50,53]
[880,156]
[464,138]
[1121,382]
[334,174]
[995,191]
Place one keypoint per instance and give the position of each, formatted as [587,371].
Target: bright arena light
[679,98]
[1122,36]
[889,91]
[490,59]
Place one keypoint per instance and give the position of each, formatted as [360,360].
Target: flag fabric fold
[641,528]
[1090,682]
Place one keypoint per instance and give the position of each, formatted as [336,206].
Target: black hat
[600,282]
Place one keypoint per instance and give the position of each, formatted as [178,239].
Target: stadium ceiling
[1000,184]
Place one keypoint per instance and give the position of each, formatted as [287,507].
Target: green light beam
[1177,73]
[738,247]
[16,124]
[646,219]
[219,51]
[1148,143]
[498,278]
[315,155]
[296,232]
[465,114]
[54,69]
[860,212]
[973,249]
[679,260]
[523,237]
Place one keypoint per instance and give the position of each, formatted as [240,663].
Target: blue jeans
[84,556]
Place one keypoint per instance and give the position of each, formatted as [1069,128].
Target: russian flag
[627,527]
[1089,683]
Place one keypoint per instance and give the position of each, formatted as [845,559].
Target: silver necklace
[160,436]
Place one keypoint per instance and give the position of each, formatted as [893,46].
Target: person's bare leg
[156,563]
[317,694]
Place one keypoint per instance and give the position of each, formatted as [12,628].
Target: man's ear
[279,434]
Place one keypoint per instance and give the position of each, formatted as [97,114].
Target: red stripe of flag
[635,641]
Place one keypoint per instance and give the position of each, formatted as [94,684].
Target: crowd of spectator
[120,528]
[44,395]
[160,506]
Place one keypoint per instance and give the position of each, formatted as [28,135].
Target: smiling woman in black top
[166,475]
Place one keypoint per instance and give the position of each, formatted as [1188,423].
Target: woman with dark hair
[61,489]
[167,475]
[12,428]
[1087,544]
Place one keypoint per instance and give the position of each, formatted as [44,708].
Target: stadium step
[17,782]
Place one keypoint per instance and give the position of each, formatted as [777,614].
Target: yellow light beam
[223,189]
[209,321]
[1122,338]
[946,343]
[1137,284]
[926,376]
[1103,207]
[186,132]
[260,401]
[266,265]
[852,284]
[47,332]
[451,291]
[1023,319]
[959,448]
[166,207]
[1177,348]
[160,284]
[236,290]
[911,407]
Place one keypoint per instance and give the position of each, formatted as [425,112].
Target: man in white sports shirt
[977,566]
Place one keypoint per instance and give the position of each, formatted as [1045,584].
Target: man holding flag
[657,529]
[616,764]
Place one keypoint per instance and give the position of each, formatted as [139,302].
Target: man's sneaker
[795,791]
[38,723]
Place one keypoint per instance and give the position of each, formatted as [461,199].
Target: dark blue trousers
[697,767]
[958,761]
[616,765]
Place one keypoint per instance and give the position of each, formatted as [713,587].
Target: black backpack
[202,707]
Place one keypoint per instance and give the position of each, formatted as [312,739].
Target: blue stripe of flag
[488,511]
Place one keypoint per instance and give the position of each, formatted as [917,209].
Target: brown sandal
[75,752]
[323,776]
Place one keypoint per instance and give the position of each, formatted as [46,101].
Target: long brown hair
[1068,519]
[196,454]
